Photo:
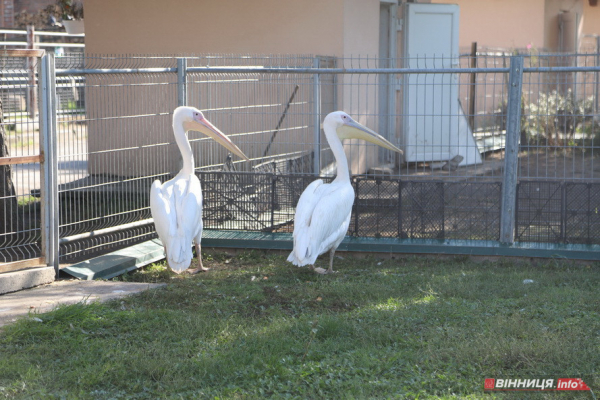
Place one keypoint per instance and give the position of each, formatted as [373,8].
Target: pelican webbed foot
[323,271]
[197,270]
[201,267]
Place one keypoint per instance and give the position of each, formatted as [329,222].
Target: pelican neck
[337,148]
[184,147]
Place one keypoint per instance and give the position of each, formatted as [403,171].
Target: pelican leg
[200,266]
[330,270]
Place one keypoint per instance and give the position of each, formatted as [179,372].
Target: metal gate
[28,227]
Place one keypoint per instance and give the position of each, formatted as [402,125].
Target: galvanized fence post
[49,164]
[316,120]
[182,81]
[511,155]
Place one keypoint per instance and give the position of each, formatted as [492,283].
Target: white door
[430,102]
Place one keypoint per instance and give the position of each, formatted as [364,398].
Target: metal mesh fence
[582,213]
[558,212]
[20,214]
[113,120]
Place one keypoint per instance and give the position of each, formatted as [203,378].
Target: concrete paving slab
[26,278]
[47,297]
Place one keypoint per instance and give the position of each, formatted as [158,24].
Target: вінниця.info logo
[535,384]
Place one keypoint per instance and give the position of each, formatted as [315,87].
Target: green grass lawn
[256,326]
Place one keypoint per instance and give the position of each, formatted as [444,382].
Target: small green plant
[27,200]
[71,105]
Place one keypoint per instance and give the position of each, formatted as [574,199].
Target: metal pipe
[597,76]
[182,81]
[44,44]
[331,71]
[316,120]
[49,165]
[511,154]
[104,231]
[41,33]
[100,71]
[337,71]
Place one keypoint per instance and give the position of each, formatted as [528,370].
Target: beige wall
[185,27]
[500,23]
[515,24]
[179,27]
[591,20]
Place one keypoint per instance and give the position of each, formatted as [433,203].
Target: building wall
[517,24]
[591,23]
[182,27]
[504,23]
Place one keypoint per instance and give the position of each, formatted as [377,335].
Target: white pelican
[323,211]
[176,205]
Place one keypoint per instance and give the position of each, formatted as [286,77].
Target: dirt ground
[561,164]
[548,163]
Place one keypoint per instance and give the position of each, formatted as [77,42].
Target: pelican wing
[160,207]
[189,211]
[321,220]
[306,205]
[177,211]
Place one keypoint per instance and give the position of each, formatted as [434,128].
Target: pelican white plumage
[323,210]
[176,205]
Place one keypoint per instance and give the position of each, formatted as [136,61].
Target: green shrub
[555,118]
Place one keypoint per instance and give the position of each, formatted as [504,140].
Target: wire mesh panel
[115,137]
[237,201]
[422,205]
[582,213]
[111,150]
[251,201]
[376,208]
[20,213]
[453,124]
[539,212]
[270,116]
[472,210]
[559,136]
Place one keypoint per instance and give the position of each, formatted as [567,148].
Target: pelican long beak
[353,130]
[203,125]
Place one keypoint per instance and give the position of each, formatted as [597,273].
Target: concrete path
[45,298]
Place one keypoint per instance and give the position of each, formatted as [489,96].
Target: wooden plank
[17,265]
[22,52]
[20,160]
